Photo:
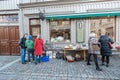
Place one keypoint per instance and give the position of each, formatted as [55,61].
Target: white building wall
[30,1]
[73,31]
[21,22]
[45,30]
[76,8]
[9,4]
[9,7]
[118,29]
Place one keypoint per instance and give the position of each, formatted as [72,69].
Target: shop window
[107,23]
[60,31]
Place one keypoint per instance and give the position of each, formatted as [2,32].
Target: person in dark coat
[23,48]
[105,48]
[93,41]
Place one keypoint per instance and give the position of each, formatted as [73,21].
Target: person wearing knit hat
[29,37]
[92,41]
[30,47]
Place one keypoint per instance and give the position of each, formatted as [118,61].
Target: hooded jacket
[38,47]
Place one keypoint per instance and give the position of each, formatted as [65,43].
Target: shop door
[9,37]
[35,27]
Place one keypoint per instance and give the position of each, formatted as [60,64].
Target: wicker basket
[95,47]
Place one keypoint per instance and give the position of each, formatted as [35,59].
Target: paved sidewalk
[57,69]
[4,60]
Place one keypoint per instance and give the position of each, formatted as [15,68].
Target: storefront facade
[67,22]
[71,22]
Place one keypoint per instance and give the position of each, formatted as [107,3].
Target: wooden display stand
[78,50]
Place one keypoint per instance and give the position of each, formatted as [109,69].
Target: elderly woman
[93,41]
[38,48]
[105,48]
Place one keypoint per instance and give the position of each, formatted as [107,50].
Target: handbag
[95,47]
[110,45]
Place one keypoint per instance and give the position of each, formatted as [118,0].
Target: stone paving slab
[57,69]
[4,60]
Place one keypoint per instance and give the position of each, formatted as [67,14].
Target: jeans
[30,52]
[22,54]
[37,59]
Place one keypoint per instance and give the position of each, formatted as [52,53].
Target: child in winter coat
[30,47]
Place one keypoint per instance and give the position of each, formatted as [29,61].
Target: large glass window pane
[60,31]
[107,23]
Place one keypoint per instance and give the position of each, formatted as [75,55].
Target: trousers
[37,59]
[95,59]
[30,52]
[22,54]
[107,59]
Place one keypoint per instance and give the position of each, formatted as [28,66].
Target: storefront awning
[83,15]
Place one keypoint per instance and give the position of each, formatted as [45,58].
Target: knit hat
[29,37]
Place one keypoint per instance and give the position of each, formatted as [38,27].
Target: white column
[26,25]
[117,29]
[21,30]
[73,31]
[44,30]
[87,30]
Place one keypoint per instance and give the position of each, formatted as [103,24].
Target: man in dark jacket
[105,48]
[23,48]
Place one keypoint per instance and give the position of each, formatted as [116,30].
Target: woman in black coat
[105,48]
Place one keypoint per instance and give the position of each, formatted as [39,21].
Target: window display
[107,23]
[60,31]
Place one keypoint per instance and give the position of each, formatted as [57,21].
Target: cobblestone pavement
[7,59]
[57,69]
